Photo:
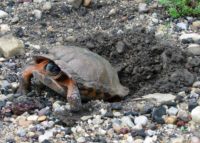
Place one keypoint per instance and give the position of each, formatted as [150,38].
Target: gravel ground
[155,56]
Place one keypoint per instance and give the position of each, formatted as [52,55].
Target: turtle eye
[52,68]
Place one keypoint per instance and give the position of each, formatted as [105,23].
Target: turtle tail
[122,91]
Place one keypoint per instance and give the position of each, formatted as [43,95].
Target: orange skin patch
[60,83]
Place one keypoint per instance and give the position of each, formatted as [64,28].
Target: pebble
[87,2]
[81,140]
[150,139]
[150,133]
[126,120]
[46,6]
[84,118]
[189,38]
[142,7]
[183,115]
[15,20]
[116,106]
[37,13]
[172,111]
[117,114]
[157,114]
[44,111]
[140,133]
[42,118]
[32,118]
[196,84]
[182,25]
[192,104]
[196,25]
[195,139]
[3,14]
[48,134]
[120,46]
[196,114]
[116,124]
[21,132]
[177,140]
[160,98]
[170,120]
[141,120]
[75,3]
[194,49]
[112,12]
[4,28]
[11,46]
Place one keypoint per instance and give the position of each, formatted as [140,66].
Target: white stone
[32,118]
[141,120]
[194,49]
[160,98]
[4,28]
[150,139]
[182,25]
[112,11]
[142,7]
[196,114]
[46,6]
[3,14]
[196,84]
[48,134]
[81,140]
[39,1]
[11,46]
[194,36]
[126,120]
[37,13]
[172,111]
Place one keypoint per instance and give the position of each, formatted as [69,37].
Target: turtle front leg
[73,95]
[25,79]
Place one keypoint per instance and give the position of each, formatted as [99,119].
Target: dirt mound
[144,64]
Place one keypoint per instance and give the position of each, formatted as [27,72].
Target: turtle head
[52,69]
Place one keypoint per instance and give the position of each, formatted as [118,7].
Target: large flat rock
[11,46]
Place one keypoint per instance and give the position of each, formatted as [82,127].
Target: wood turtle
[75,73]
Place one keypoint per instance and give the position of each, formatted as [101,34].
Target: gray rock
[194,49]
[4,84]
[15,19]
[188,38]
[11,46]
[172,111]
[120,46]
[75,3]
[183,115]
[21,132]
[141,120]
[142,7]
[160,98]
[182,25]
[3,14]
[196,114]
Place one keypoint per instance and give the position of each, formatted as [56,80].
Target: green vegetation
[178,8]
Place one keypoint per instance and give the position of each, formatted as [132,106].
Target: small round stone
[42,118]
